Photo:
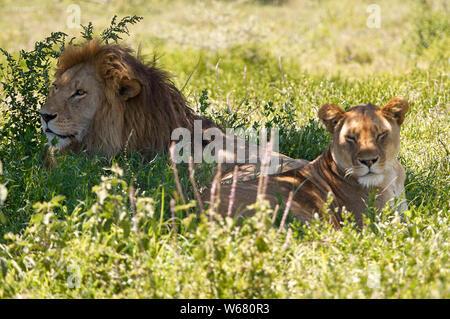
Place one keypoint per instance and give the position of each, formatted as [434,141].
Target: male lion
[105,101]
[361,158]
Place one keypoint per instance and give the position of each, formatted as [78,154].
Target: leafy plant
[115,29]
[25,81]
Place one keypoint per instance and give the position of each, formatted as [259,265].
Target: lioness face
[71,105]
[366,138]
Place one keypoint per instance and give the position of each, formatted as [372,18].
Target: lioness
[361,158]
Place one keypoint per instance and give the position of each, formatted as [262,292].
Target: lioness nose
[368,162]
[47,117]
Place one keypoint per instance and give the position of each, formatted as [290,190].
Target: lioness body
[360,159]
[312,184]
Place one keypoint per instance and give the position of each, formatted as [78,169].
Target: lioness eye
[350,138]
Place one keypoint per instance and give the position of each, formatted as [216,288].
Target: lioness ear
[330,115]
[129,89]
[396,108]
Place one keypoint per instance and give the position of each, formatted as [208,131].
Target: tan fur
[338,172]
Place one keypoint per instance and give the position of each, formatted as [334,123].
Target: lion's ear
[330,115]
[396,108]
[129,89]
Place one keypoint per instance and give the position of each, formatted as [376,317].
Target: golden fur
[361,158]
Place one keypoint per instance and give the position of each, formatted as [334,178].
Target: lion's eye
[351,139]
[79,92]
[381,136]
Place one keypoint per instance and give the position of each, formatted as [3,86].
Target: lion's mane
[142,122]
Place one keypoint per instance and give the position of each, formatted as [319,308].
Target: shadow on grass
[428,186]
[28,181]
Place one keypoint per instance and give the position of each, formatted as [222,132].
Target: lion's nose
[47,117]
[368,162]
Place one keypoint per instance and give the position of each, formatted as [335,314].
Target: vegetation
[98,228]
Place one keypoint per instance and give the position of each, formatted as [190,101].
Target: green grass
[72,233]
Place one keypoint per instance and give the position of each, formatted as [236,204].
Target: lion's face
[366,139]
[71,105]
